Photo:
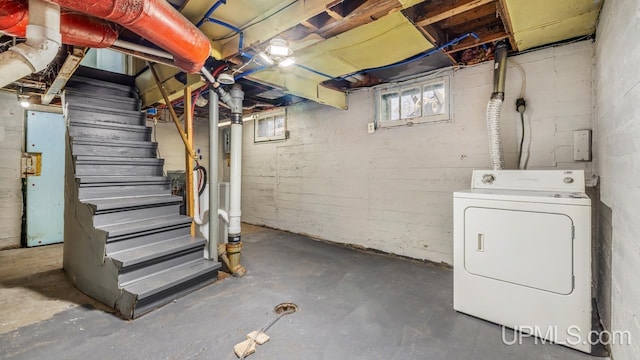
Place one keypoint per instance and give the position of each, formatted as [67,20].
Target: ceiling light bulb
[287,62]
[24,103]
[278,47]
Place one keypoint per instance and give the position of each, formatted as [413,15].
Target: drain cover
[285,308]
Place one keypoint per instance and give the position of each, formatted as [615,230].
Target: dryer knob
[568,180]
[488,179]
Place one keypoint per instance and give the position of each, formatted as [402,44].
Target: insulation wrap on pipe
[155,20]
[76,29]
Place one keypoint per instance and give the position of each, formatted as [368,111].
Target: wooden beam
[485,38]
[273,25]
[334,15]
[469,16]
[506,21]
[308,25]
[451,10]
[69,66]
[174,116]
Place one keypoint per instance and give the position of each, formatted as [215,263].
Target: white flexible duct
[41,47]
[496,153]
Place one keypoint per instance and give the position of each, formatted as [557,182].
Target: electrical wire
[250,24]
[521,139]
[264,329]
[155,139]
[523,87]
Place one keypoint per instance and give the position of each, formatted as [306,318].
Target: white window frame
[399,88]
[266,116]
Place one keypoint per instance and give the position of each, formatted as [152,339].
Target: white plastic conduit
[41,47]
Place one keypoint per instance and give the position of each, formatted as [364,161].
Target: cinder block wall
[617,154]
[11,143]
[392,190]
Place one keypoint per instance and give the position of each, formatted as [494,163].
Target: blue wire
[399,63]
[210,11]
[314,71]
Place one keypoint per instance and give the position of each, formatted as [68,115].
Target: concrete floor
[352,305]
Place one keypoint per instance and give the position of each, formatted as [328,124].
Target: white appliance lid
[570,181]
[547,197]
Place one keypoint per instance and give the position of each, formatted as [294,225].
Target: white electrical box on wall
[582,145]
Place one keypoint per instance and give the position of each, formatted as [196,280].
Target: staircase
[125,242]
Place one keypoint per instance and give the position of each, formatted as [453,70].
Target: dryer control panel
[571,181]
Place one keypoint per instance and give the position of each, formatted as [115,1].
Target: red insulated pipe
[76,29]
[154,20]
[13,17]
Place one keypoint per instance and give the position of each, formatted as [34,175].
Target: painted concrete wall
[392,190]
[617,152]
[171,146]
[11,142]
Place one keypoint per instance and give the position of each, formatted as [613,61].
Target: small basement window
[414,102]
[270,125]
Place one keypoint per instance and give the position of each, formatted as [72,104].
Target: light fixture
[264,58]
[278,50]
[226,79]
[278,47]
[287,61]
[23,99]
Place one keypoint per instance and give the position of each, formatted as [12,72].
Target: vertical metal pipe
[500,67]
[212,246]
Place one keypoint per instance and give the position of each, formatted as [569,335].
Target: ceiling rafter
[486,37]
[452,9]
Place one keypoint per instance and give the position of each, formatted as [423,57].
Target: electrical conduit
[41,47]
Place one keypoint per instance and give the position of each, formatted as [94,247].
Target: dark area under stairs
[118,174]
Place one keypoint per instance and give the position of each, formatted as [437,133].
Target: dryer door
[531,249]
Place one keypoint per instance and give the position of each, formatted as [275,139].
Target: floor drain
[285,308]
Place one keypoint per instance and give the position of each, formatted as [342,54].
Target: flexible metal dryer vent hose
[496,153]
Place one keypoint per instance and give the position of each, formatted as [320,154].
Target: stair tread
[95,107]
[119,179]
[125,202]
[124,143]
[72,93]
[163,280]
[140,254]
[118,159]
[107,124]
[132,227]
[98,83]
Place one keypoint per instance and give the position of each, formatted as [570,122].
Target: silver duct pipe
[41,47]
[496,153]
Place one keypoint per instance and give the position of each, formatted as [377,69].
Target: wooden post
[188,129]
[174,116]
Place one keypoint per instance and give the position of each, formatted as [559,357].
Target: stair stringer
[84,258]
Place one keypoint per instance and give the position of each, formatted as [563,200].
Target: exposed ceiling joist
[508,26]
[485,38]
[450,10]
[274,25]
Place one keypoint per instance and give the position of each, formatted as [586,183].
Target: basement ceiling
[335,39]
